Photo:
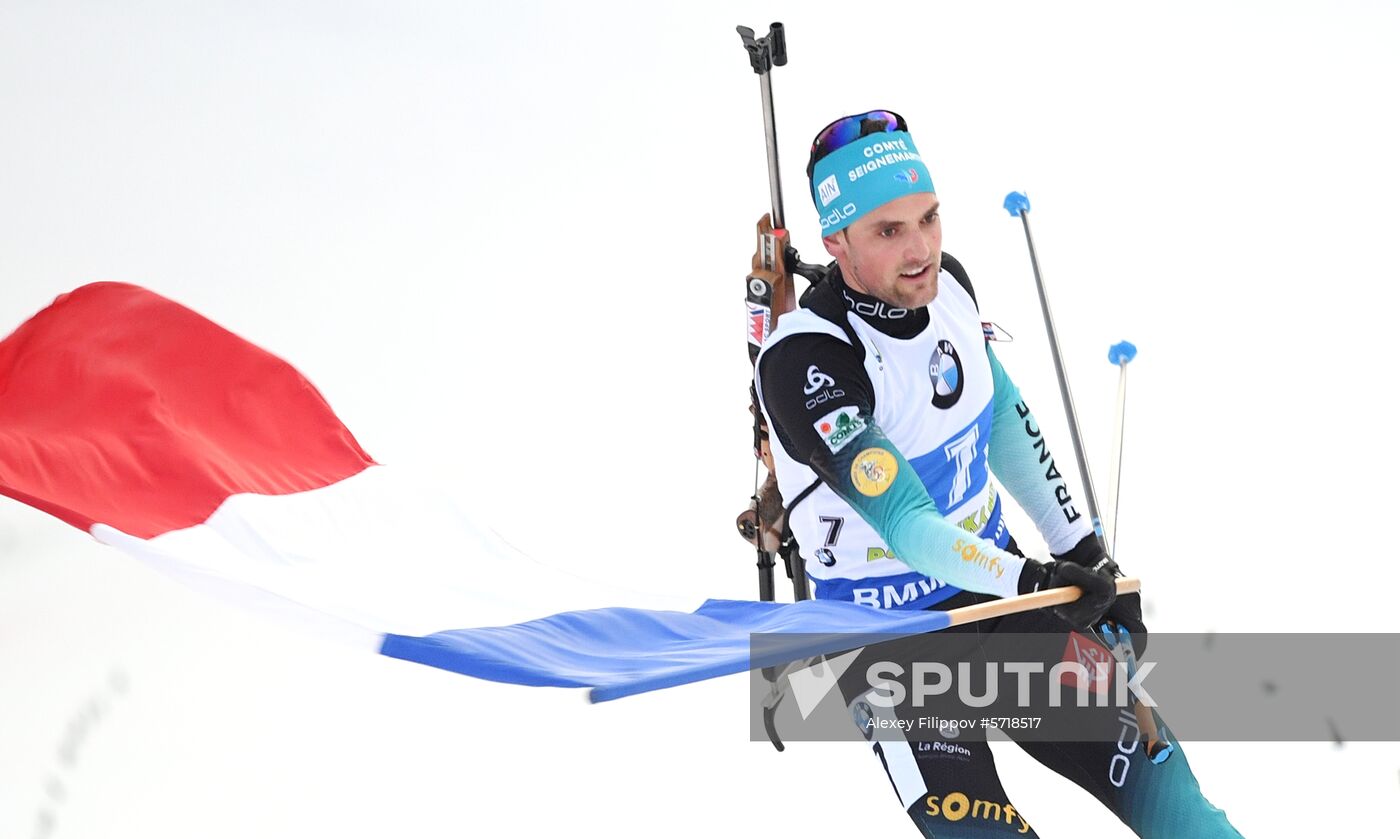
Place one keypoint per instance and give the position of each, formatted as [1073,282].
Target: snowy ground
[464,221]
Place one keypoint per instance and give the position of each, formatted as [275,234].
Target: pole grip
[760,56]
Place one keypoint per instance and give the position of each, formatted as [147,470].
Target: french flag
[162,434]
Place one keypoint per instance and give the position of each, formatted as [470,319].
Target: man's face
[892,253]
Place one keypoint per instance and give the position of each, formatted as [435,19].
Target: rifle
[768,294]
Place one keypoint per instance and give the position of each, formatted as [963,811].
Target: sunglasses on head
[847,130]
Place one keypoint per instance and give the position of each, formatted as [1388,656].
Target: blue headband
[869,173]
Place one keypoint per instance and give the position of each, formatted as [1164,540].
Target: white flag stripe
[375,553]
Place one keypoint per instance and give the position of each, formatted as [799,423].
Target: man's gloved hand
[1126,611]
[1098,584]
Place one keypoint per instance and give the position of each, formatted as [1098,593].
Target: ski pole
[1018,205]
[1120,354]
[1158,747]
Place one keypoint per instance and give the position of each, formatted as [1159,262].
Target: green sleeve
[1021,460]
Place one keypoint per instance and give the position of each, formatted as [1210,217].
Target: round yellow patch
[873,471]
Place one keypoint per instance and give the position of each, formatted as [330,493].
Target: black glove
[1126,611]
[1098,584]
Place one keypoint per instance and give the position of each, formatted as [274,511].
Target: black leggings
[947,780]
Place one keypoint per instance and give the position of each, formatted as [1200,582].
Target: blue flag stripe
[620,651]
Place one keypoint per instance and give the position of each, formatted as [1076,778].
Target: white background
[508,245]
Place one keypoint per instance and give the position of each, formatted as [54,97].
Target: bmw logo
[945,371]
[864,716]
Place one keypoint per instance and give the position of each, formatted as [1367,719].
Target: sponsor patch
[934,748]
[828,191]
[864,716]
[1094,658]
[973,555]
[992,332]
[839,427]
[758,324]
[945,371]
[956,806]
[816,380]
[873,471]
[873,554]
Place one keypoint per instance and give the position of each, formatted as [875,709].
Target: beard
[898,291]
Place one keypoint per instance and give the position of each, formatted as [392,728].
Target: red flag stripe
[122,407]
